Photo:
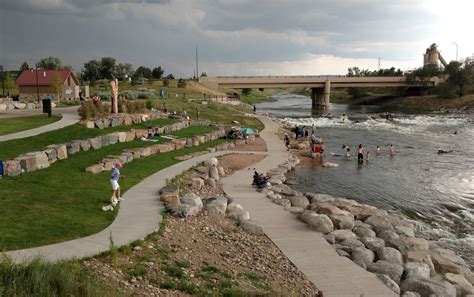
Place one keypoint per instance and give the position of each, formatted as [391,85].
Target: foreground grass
[13,125]
[63,202]
[13,148]
[45,279]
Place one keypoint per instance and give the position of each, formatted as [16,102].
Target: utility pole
[3,80]
[197,64]
[379,64]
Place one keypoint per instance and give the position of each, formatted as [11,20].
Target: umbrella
[247,131]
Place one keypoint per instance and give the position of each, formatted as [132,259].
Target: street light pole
[457,48]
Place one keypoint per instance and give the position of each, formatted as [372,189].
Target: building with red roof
[31,82]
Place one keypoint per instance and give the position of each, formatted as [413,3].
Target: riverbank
[387,244]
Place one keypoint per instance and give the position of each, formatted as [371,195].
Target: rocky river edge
[387,244]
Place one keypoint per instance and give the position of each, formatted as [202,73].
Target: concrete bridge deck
[320,85]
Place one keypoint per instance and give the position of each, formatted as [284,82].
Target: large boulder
[416,270]
[192,199]
[446,261]
[299,201]
[421,257]
[342,221]
[42,160]
[318,198]
[410,294]
[394,271]
[388,235]
[362,256]
[379,223]
[463,287]
[239,215]
[27,163]
[96,142]
[390,254]
[404,230]
[414,243]
[197,183]
[96,168]
[343,234]
[170,195]
[183,210]
[111,138]
[252,227]
[429,287]
[52,155]
[327,208]
[320,223]
[217,207]
[11,168]
[73,147]
[363,232]
[389,283]
[373,243]
[122,136]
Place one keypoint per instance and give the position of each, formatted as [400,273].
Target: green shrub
[90,111]
[145,95]
[174,271]
[129,94]
[105,95]
[39,278]
[168,285]
[189,288]
[137,270]
[181,83]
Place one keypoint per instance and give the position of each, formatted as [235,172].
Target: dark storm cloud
[164,32]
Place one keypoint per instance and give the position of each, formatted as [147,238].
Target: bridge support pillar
[317,97]
[327,92]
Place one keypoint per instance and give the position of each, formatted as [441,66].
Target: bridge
[320,85]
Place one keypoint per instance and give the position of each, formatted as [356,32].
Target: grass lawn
[13,148]
[63,202]
[13,125]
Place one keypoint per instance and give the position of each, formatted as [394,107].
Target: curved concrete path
[69,118]
[334,275]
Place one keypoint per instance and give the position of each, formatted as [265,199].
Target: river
[437,189]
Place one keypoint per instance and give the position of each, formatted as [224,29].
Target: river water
[418,182]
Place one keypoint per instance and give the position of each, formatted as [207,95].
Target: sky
[236,37]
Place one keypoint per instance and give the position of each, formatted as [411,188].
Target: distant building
[30,81]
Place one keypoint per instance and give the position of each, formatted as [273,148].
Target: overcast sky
[236,37]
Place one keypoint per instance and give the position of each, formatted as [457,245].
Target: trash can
[47,106]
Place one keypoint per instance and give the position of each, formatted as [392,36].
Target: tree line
[105,68]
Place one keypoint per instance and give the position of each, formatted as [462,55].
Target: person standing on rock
[114,179]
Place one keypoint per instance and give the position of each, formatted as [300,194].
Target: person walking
[287,141]
[114,179]
[254,108]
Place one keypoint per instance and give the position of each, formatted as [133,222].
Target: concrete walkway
[334,275]
[69,118]
[139,215]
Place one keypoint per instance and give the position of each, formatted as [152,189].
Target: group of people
[363,155]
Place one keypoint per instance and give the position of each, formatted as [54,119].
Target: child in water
[391,150]
[378,151]
[367,157]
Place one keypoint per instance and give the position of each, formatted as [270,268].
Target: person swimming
[360,154]
[391,150]
[378,150]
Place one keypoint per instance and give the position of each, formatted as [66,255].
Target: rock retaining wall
[42,159]
[389,245]
[114,120]
[128,155]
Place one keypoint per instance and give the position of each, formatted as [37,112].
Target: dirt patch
[236,162]
[203,256]
[256,146]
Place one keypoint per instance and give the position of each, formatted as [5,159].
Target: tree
[58,84]
[9,82]
[91,71]
[158,72]
[169,76]
[421,77]
[50,63]
[357,93]
[143,72]
[107,68]
[246,91]
[460,75]
[181,83]
[203,74]
[124,70]
[24,66]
